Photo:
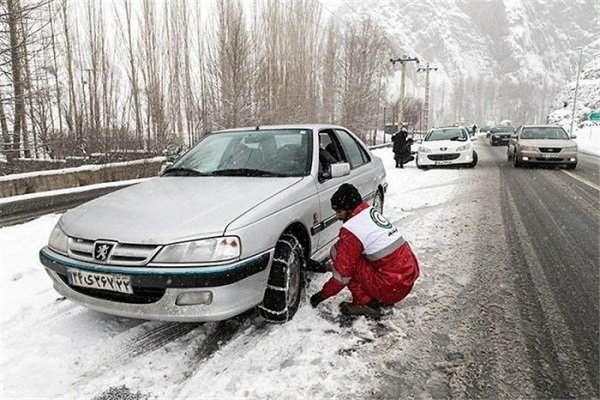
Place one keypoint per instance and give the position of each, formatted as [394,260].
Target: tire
[378,201]
[284,288]
[571,166]
[419,165]
[508,156]
[475,159]
[518,164]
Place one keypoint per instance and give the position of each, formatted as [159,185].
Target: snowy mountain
[588,93]
[519,43]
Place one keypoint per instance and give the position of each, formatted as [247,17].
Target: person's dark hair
[346,197]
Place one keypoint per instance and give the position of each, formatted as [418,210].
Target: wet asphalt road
[523,319]
[551,219]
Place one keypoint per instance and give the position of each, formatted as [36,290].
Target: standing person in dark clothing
[399,140]
[370,258]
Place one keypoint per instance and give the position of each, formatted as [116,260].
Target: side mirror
[573,136]
[474,138]
[340,169]
[513,136]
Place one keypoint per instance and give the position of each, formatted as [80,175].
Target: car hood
[448,145]
[547,142]
[170,209]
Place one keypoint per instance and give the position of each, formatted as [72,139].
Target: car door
[345,148]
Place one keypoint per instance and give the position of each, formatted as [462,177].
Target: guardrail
[26,207]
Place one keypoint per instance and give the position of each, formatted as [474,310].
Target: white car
[231,225]
[446,146]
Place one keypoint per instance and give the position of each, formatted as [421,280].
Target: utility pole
[402,60]
[576,88]
[427,69]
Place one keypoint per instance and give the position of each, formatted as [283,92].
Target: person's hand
[316,299]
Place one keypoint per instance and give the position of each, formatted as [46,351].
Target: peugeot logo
[102,250]
[443,148]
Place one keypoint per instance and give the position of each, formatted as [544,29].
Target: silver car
[542,144]
[231,225]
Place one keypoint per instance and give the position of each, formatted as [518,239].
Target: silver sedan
[231,225]
[542,144]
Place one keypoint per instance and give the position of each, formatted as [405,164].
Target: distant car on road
[229,226]
[446,146]
[500,135]
[542,144]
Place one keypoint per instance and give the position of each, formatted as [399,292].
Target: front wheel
[518,164]
[571,166]
[419,165]
[282,296]
[475,158]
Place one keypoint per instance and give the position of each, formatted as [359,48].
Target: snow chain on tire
[274,307]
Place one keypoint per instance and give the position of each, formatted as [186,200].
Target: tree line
[78,76]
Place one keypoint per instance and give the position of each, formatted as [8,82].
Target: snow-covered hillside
[588,93]
[497,59]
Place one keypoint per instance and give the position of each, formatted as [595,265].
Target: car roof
[542,126]
[315,127]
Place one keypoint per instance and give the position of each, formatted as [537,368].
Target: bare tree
[363,52]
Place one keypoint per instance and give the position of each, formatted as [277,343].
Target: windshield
[544,133]
[281,152]
[503,129]
[446,134]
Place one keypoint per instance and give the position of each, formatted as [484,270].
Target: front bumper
[499,140]
[234,288]
[446,158]
[538,157]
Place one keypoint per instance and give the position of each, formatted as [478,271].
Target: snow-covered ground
[52,348]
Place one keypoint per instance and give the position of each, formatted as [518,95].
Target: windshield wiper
[182,171]
[246,172]
[458,138]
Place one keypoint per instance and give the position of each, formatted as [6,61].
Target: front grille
[549,159]
[443,157]
[121,253]
[141,295]
[550,149]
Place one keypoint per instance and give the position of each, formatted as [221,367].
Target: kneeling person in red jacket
[370,257]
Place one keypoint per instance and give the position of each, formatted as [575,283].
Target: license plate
[443,162]
[550,155]
[95,280]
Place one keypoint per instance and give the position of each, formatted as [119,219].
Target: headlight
[205,250]
[571,148]
[423,149]
[529,148]
[463,147]
[58,240]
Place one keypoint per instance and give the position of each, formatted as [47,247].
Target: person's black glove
[316,299]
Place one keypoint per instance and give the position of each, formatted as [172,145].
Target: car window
[446,134]
[279,152]
[355,153]
[544,133]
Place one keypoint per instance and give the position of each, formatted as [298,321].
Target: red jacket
[392,275]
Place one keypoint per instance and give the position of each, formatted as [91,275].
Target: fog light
[572,159]
[194,298]
[525,158]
